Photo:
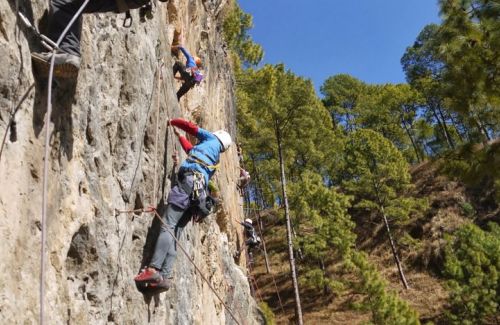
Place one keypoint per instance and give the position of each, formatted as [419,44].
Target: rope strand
[160,79]
[46,161]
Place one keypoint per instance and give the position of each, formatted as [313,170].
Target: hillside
[421,252]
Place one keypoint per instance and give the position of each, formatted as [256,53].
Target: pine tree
[236,25]
[377,174]
[386,306]
[472,266]
[325,228]
[341,99]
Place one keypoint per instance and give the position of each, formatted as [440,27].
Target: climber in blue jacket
[189,192]
[189,73]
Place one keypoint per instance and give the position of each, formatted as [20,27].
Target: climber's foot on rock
[65,65]
[149,275]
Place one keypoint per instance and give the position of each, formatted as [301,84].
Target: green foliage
[477,166]
[267,313]
[341,98]
[273,101]
[325,227]
[377,175]
[468,209]
[236,26]
[385,306]
[472,266]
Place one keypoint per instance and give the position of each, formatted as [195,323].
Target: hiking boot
[65,65]
[149,275]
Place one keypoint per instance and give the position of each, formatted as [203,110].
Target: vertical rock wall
[102,157]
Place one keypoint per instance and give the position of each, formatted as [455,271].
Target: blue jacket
[191,64]
[207,150]
[189,58]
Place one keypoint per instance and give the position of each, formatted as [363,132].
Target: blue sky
[320,38]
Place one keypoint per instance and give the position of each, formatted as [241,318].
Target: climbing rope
[166,227]
[159,80]
[46,160]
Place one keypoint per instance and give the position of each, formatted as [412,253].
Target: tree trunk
[456,126]
[415,147]
[268,267]
[445,128]
[482,129]
[298,309]
[441,124]
[393,248]
[299,250]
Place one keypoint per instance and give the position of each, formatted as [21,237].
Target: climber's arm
[186,126]
[185,144]
[190,60]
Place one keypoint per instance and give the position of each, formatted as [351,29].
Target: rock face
[110,149]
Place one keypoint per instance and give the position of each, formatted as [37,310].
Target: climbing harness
[197,160]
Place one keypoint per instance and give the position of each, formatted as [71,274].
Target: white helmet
[224,138]
[248,220]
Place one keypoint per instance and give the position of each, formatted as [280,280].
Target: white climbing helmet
[248,220]
[224,138]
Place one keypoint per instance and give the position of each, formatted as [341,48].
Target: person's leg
[168,266]
[178,67]
[61,13]
[186,86]
[67,61]
[165,244]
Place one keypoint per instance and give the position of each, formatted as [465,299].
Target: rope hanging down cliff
[46,159]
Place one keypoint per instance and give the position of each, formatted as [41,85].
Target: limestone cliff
[107,152]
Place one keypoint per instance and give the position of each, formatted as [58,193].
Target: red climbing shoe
[148,275]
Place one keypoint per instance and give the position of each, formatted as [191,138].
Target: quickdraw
[198,185]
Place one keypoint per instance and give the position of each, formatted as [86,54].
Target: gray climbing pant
[166,249]
[62,11]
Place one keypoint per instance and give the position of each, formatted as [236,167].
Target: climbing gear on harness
[197,160]
[127,22]
[46,42]
[202,204]
[224,138]
[146,12]
[198,186]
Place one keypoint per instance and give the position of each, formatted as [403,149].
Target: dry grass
[420,250]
